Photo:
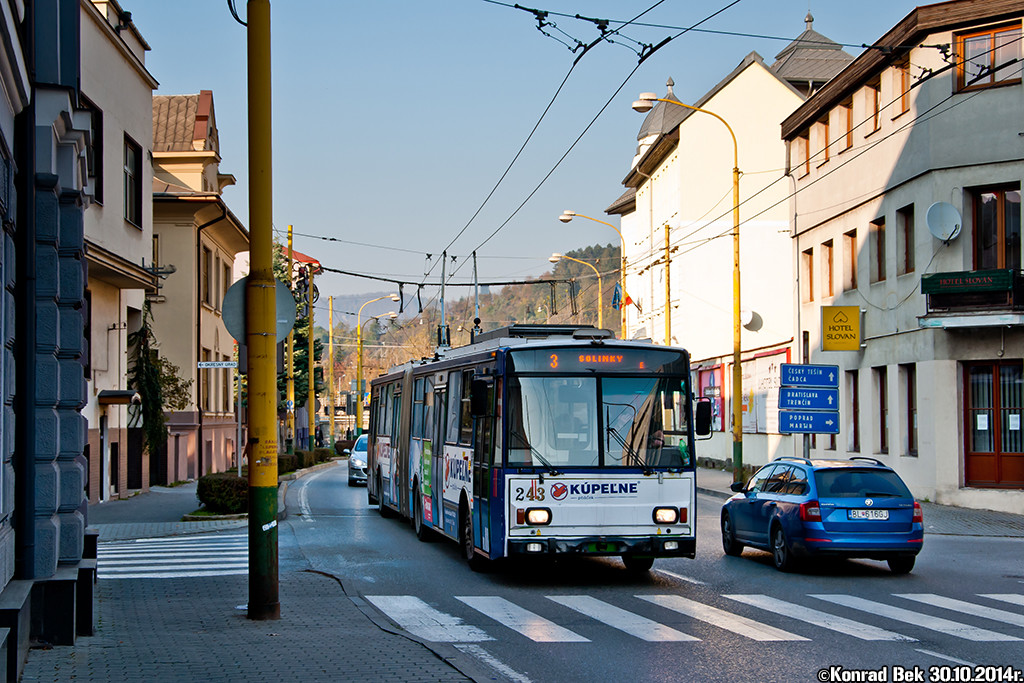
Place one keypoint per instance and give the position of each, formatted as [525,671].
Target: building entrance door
[994,433]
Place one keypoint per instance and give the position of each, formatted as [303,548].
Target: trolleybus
[541,440]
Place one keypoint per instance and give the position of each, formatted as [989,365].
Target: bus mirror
[478,398]
[703,421]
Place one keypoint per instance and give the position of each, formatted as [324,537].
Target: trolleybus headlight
[666,515]
[538,516]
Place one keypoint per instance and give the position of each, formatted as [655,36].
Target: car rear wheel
[729,543]
[782,556]
[902,564]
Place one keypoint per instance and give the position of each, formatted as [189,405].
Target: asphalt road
[709,619]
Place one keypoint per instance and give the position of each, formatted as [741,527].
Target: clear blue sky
[393,119]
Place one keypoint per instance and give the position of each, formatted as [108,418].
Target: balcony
[973,298]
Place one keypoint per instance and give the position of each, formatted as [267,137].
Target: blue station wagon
[797,508]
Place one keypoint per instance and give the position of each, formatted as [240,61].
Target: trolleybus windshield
[558,422]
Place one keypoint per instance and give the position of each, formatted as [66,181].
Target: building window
[846,112]
[873,97]
[878,250]
[94,157]
[985,58]
[997,228]
[204,381]
[882,401]
[218,287]
[850,260]
[132,182]
[802,145]
[807,275]
[853,416]
[205,265]
[156,251]
[826,269]
[905,240]
[227,276]
[901,87]
[826,140]
[908,377]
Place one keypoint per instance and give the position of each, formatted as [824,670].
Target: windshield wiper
[551,468]
[629,449]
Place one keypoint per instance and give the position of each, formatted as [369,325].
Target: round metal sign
[233,310]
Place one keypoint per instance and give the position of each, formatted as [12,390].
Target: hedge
[223,492]
[323,454]
[286,462]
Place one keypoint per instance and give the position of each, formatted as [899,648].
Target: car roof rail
[864,457]
[793,457]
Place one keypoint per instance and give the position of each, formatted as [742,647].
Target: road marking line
[422,620]
[946,657]
[178,575]
[304,509]
[633,624]
[493,662]
[720,618]
[533,626]
[1012,598]
[965,607]
[823,619]
[140,562]
[178,539]
[679,576]
[946,626]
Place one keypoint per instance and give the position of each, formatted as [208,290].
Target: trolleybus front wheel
[476,563]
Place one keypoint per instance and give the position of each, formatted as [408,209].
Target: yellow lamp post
[567,216]
[645,104]
[359,359]
[555,258]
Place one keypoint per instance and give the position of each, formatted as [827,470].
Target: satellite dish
[943,221]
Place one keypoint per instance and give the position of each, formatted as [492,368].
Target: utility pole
[668,291]
[311,395]
[261,328]
[330,367]
[289,440]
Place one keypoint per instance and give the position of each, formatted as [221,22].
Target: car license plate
[869,514]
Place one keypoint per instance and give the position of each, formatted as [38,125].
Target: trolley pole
[311,395]
[289,441]
[260,302]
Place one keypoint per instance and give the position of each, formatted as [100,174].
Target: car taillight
[918,513]
[810,512]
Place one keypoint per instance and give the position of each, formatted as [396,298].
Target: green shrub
[322,454]
[303,459]
[224,493]
[286,463]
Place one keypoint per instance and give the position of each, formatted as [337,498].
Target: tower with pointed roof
[810,60]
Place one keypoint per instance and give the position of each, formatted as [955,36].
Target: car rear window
[857,483]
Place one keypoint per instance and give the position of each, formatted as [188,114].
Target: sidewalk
[938,519]
[196,629]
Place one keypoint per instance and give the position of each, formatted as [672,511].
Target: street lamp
[645,104]
[556,257]
[359,358]
[567,216]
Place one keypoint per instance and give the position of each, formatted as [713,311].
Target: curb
[714,493]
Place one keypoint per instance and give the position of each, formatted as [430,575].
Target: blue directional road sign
[800,398]
[793,375]
[808,422]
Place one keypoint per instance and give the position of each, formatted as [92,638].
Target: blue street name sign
[800,398]
[793,375]
[808,422]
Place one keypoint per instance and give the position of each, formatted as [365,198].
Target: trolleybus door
[483,459]
[438,430]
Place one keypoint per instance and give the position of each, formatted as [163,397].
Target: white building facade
[677,223]
[908,168]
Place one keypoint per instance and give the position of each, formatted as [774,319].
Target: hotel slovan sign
[840,328]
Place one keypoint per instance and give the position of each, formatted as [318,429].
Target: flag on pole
[620,297]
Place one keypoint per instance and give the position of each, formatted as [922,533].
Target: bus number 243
[534,493]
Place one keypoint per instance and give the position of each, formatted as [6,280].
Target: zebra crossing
[174,557]
[433,624]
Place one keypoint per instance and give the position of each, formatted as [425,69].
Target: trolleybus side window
[417,409]
[465,412]
[454,405]
[395,414]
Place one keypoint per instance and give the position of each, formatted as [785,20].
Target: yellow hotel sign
[840,328]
